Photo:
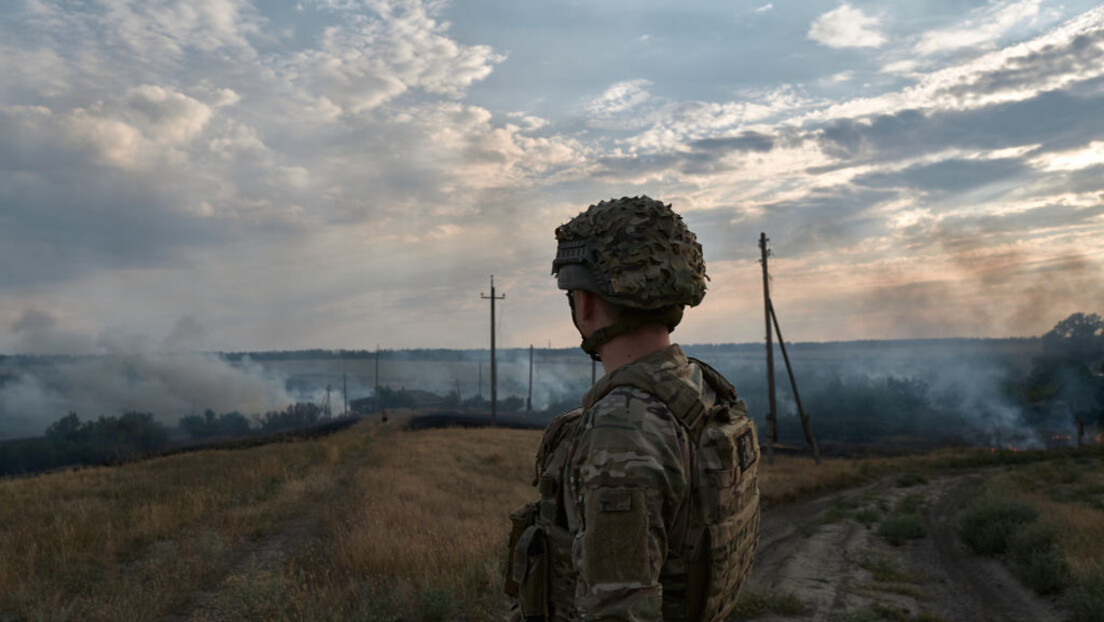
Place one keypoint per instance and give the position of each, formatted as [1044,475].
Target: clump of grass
[909,504]
[901,528]
[1036,560]
[883,569]
[988,526]
[751,604]
[885,613]
[910,478]
[1085,599]
[868,516]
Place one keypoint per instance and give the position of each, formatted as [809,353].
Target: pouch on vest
[530,573]
[520,520]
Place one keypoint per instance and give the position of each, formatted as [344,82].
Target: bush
[988,526]
[751,604]
[1086,599]
[910,478]
[1036,559]
[901,528]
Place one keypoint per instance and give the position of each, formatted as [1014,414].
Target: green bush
[910,478]
[901,528]
[751,604]
[1036,560]
[1086,599]
[988,526]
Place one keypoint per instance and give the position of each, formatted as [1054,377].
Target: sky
[235,175]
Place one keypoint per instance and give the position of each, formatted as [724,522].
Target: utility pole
[345,394]
[375,388]
[494,370]
[529,400]
[480,379]
[772,420]
[805,423]
[772,417]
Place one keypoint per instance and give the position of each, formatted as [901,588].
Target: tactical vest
[724,497]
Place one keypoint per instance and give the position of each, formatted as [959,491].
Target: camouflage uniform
[649,503]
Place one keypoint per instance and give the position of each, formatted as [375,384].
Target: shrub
[901,528]
[910,478]
[1086,599]
[987,526]
[751,604]
[1036,559]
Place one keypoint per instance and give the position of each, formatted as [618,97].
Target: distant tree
[477,401]
[452,400]
[294,416]
[1079,337]
[1066,378]
[210,425]
[512,403]
[65,430]
[390,398]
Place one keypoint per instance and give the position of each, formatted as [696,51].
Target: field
[373,523]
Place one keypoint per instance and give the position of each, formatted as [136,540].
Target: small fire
[1099,438]
[1061,437]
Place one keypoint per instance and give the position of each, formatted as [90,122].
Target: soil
[842,571]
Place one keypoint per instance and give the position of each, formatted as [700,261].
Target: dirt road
[827,553]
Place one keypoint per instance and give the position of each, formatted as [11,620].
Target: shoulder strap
[553,434]
[680,399]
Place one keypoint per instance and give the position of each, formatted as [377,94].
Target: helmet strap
[630,320]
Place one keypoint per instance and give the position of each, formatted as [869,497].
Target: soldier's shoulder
[626,402]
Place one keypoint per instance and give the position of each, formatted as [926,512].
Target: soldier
[649,505]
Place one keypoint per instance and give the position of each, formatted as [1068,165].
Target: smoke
[129,372]
[945,390]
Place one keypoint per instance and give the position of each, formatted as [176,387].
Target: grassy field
[373,523]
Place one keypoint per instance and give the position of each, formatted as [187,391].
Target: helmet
[634,252]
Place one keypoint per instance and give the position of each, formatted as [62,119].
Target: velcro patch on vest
[614,547]
[745,446]
[615,500]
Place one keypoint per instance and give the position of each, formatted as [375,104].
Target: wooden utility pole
[772,415]
[345,395]
[805,423]
[529,400]
[376,389]
[772,320]
[494,370]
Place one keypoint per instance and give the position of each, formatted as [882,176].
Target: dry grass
[399,525]
[793,477]
[136,541]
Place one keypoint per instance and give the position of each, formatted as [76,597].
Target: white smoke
[130,372]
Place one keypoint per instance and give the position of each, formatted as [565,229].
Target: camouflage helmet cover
[637,252]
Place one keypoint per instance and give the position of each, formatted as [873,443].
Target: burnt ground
[840,570]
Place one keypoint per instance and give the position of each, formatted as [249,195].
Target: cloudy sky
[227,175]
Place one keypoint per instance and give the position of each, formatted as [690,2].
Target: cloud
[847,27]
[619,97]
[984,27]
[372,58]
[766,7]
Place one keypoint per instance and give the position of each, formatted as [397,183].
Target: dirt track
[841,570]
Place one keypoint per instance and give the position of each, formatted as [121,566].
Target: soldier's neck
[626,348]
